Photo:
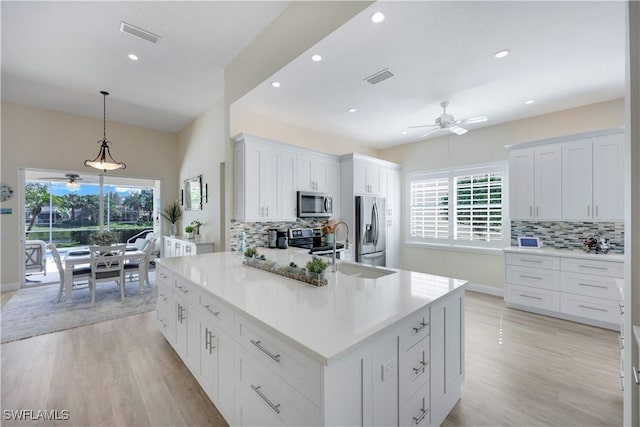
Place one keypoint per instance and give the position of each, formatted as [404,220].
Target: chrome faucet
[334,267]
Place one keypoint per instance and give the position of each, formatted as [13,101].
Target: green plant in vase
[251,253]
[189,230]
[172,213]
[316,266]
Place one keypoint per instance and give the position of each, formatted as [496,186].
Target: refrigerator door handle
[376,224]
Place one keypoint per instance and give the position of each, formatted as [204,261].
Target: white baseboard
[484,289]
[9,286]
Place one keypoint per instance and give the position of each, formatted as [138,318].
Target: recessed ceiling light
[133,57]
[275,84]
[404,132]
[529,101]
[501,53]
[352,110]
[316,58]
[479,119]
[377,17]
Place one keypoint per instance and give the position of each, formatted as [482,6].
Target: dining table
[81,256]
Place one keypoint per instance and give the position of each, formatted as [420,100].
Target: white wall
[201,149]
[482,146]
[45,139]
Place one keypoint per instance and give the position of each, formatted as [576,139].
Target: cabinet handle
[621,308]
[593,267]
[215,313]
[597,211]
[275,357]
[421,327]
[593,308]
[531,211]
[257,390]
[593,286]
[537,261]
[211,337]
[182,289]
[417,420]
[635,375]
[537,211]
[207,339]
[420,368]
[621,342]
[531,277]
[588,210]
[529,296]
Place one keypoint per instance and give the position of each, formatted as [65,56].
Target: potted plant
[196,224]
[172,213]
[315,268]
[189,230]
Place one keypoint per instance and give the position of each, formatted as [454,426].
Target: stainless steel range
[311,238]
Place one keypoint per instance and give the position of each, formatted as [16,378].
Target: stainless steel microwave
[318,205]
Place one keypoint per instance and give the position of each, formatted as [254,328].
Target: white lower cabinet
[578,288]
[409,374]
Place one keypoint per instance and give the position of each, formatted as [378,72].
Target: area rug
[34,311]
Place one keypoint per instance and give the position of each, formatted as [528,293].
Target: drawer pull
[593,267]
[275,357]
[593,286]
[531,260]
[635,375]
[420,368]
[417,420]
[531,277]
[621,308]
[276,408]
[621,341]
[215,313]
[421,327]
[593,308]
[182,289]
[529,296]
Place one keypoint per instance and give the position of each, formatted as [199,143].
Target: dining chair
[78,273]
[107,265]
[133,267]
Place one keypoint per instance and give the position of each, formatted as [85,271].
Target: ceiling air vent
[138,32]
[380,76]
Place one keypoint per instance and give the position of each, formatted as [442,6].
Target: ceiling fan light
[72,185]
[458,130]
[104,161]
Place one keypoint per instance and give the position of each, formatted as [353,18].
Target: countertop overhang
[324,322]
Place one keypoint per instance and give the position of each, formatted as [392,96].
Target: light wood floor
[521,370]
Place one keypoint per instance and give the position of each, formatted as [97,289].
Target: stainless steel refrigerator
[370,238]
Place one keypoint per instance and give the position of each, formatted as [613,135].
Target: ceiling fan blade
[435,129]
[52,178]
[423,126]
[457,130]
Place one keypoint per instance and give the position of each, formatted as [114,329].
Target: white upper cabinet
[608,178]
[312,173]
[368,178]
[593,179]
[574,180]
[534,181]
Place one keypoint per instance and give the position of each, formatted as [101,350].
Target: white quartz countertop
[569,253]
[325,322]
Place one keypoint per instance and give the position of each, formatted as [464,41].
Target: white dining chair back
[133,267]
[107,265]
[78,273]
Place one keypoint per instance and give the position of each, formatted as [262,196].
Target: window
[462,207]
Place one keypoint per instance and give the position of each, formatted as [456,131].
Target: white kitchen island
[269,350]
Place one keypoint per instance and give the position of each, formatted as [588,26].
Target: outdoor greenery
[104,238]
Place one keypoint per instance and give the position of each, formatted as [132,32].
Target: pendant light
[104,160]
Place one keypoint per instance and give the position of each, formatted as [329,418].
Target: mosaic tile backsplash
[569,235]
[257,233]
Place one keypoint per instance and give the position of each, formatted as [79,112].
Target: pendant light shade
[103,160]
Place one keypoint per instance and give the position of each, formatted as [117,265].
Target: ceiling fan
[70,179]
[447,122]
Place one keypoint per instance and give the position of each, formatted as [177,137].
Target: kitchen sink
[365,272]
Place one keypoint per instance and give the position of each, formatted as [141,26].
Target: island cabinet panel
[187,334]
[164,310]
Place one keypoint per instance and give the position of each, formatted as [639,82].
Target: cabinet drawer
[217,312]
[301,372]
[274,394]
[543,299]
[534,277]
[536,261]
[591,308]
[596,267]
[590,285]
[187,291]
[415,367]
[163,276]
[414,329]
[416,411]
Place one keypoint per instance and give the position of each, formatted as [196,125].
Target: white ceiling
[563,54]
[59,55]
